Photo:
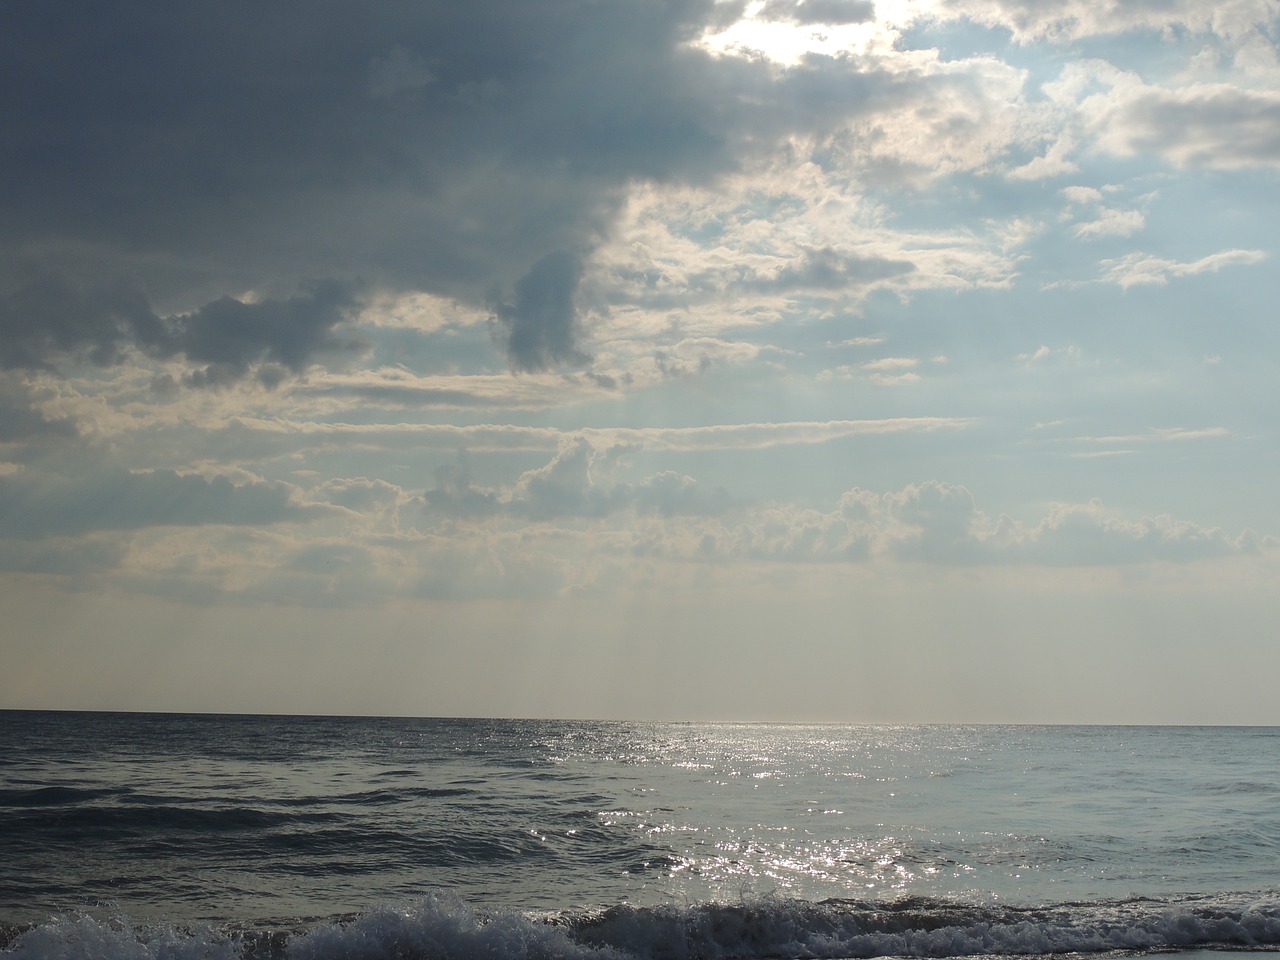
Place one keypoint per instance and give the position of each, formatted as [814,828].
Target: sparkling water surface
[250,820]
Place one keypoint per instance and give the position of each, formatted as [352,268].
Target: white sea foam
[442,928]
[446,928]
[84,938]
[924,928]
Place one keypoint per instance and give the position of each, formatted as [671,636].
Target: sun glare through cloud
[784,33]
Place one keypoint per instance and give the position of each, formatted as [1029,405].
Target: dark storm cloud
[48,316]
[203,150]
[542,322]
[230,335]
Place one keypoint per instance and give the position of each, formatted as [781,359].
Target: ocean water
[164,836]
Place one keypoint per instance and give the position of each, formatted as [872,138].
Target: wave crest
[443,927]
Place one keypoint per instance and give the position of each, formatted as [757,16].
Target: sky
[841,360]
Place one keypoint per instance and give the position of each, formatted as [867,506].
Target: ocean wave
[922,927]
[55,796]
[443,927]
[58,817]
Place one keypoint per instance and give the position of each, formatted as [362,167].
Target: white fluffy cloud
[1218,126]
[1111,223]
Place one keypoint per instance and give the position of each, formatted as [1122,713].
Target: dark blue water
[159,835]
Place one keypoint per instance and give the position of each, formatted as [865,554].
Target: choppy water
[127,835]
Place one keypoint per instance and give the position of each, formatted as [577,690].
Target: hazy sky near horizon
[908,360]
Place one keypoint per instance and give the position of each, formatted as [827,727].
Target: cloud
[1067,20]
[929,522]
[1041,352]
[1111,223]
[828,269]
[48,317]
[1223,125]
[580,481]
[565,486]
[940,523]
[395,388]
[482,155]
[673,494]
[35,505]
[361,494]
[1215,126]
[455,495]
[1081,194]
[1055,162]
[1078,534]
[428,148]
[229,335]
[818,11]
[542,323]
[544,186]
[1166,435]
[45,315]
[699,354]
[575,520]
[888,364]
[20,418]
[773,245]
[277,435]
[935,522]
[1137,269]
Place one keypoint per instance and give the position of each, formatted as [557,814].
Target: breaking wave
[445,928]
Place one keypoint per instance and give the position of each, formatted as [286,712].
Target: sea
[193,836]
